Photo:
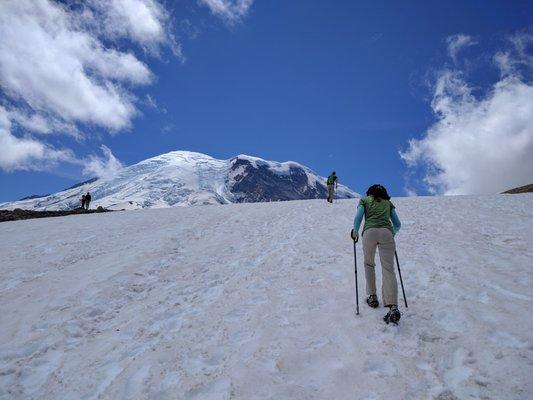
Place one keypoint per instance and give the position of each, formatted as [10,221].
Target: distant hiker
[83,201]
[332,185]
[87,200]
[378,231]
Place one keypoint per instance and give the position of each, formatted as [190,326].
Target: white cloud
[480,144]
[411,192]
[458,42]
[168,128]
[150,101]
[57,69]
[517,57]
[50,65]
[107,166]
[40,123]
[145,22]
[188,29]
[25,153]
[231,11]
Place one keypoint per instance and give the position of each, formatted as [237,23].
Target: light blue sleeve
[358,217]
[396,224]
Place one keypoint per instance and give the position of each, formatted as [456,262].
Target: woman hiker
[378,231]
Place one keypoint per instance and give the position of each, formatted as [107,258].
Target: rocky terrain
[521,189]
[18,214]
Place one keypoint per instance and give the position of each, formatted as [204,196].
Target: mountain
[183,178]
[521,189]
[257,301]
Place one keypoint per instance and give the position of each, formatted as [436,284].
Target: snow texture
[256,301]
[184,178]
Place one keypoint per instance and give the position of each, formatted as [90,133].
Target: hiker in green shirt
[381,224]
[332,185]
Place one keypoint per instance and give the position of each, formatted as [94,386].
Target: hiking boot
[393,315]
[372,301]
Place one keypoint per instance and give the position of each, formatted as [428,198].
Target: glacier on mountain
[184,178]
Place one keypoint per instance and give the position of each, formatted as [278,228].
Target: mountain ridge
[185,178]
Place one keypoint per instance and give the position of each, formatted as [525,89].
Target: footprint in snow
[446,395]
[380,368]
[458,372]
[219,389]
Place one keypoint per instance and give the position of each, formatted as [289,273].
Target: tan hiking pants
[383,239]
[331,192]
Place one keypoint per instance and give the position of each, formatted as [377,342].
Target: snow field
[256,301]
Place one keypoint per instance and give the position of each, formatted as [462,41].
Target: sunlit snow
[256,301]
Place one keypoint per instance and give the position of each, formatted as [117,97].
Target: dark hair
[333,173]
[378,192]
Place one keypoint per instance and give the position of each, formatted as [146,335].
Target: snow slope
[256,301]
[184,178]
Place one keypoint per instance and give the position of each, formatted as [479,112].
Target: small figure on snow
[333,184]
[83,201]
[381,225]
[87,200]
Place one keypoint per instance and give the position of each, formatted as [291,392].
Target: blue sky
[341,85]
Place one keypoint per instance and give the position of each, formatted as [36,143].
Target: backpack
[332,179]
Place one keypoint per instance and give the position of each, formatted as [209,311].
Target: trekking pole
[356,289]
[401,281]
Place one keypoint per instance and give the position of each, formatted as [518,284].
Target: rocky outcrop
[256,183]
[18,214]
[521,189]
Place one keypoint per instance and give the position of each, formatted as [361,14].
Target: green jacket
[377,213]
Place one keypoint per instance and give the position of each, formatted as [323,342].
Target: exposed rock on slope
[18,214]
[521,189]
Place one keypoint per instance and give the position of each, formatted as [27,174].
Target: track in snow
[256,301]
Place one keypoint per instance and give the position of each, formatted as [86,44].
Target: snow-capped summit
[184,178]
